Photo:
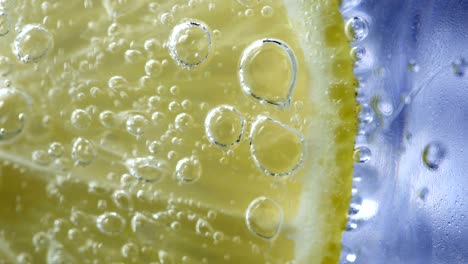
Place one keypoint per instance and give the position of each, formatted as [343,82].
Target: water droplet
[190,44]
[459,67]
[277,149]
[147,169]
[433,155]
[362,154]
[32,43]
[55,149]
[264,217]
[224,126]
[267,11]
[183,121]
[6,66]
[83,152]
[136,125]
[188,170]
[153,68]
[356,28]
[80,119]
[4,24]
[110,223]
[15,106]
[261,60]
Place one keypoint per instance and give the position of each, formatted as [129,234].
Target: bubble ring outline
[211,115]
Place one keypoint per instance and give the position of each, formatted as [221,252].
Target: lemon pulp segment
[174,131]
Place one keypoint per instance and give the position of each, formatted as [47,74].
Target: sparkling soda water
[409,190]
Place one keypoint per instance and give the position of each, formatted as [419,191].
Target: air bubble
[117,83]
[130,251]
[267,11]
[433,155]
[224,126]
[190,44]
[136,125]
[107,119]
[264,217]
[122,200]
[259,62]
[15,106]
[133,56]
[277,149]
[4,24]
[356,28]
[358,53]
[83,152]
[80,119]
[188,170]
[32,43]
[41,157]
[56,149]
[459,67]
[110,223]
[153,68]
[147,169]
[183,121]
[362,154]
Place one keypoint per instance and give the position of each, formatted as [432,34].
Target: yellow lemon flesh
[201,131]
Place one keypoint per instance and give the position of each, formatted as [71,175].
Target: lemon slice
[174,131]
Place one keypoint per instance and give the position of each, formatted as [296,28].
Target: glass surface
[410,184]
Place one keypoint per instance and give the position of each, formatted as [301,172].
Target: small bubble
[357,28]
[15,106]
[4,24]
[40,240]
[224,126]
[267,11]
[413,66]
[152,45]
[153,68]
[24,258]
[174,107]
[147,169]
[107,119]
[183,121]
[136,125]
[117,83]
[188,170]
[56,149]
[80,119]
[167,19]
[433,155]
[41,157]
[218,236]
[110,223]
[249,12]
[190,44]
[130,251]
[32,43]
[264,217]
[362,154]
[133,56]
[358,53]
[261,60]
[83,152]
[277,150]
[122,200]
[459,67]
[155,147]
[165,258]
[347,256]
[423,193]
[175,225]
